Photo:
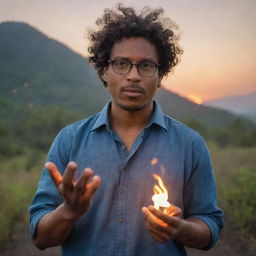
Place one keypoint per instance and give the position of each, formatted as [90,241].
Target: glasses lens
[147,68]
[121,66]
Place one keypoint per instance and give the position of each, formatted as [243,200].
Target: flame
[195,99]
[160,197]
[154,161]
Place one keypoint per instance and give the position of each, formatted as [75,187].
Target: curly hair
[125,23]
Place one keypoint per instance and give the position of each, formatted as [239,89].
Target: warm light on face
[160,197]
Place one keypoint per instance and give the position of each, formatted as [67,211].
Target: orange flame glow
[160,197]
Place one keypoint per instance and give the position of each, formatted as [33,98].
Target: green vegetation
[237,133]
[235,169]
[25,127]
[241,200]
[18,178]
[25,135]
[233,149]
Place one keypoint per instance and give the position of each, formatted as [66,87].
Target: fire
[154,161]
[160,197]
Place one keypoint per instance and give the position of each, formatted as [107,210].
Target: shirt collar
[157,117]
[103,118]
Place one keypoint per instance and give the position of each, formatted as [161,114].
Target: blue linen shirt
[114,224]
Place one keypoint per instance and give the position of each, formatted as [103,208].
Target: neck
[125,119]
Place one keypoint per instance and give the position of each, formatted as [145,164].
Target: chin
[132,107]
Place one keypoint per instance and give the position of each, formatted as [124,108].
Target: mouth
[133,91]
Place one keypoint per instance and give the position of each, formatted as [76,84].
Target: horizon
[219,55]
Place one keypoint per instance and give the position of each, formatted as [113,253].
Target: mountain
[36,70]
[243,105]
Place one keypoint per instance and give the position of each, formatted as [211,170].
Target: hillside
[37,70]
[183,109]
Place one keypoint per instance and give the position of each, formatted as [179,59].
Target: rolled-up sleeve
[47,197]
[200,197]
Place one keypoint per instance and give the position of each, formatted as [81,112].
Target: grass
[18,179]
[235,170]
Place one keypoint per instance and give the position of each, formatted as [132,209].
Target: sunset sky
[218,38]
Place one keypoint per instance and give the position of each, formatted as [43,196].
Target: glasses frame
[134,64]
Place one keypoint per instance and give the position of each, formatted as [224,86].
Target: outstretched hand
[163,226]
[76,195]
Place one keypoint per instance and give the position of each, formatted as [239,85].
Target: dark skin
[131,109]
[132,105]
[191,232]
[162,226]
[55,227]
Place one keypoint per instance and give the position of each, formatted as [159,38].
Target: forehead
[135,49]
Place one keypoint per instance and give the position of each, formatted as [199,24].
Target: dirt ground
[21,245]
[228,245]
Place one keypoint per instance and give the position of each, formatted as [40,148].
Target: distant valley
[242,105]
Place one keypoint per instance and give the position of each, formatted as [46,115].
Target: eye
[121,63]
[147,65]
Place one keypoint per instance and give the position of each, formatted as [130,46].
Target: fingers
[85,188]
[80,186]
[54,172]
[169,219]
[152,219]
[160,237]
[67,184]
[93,186]
[68,176]
[161,226]
[173,211]
[157,228]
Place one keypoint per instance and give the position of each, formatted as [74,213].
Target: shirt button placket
[121,212]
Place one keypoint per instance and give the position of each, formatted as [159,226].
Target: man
[124,144]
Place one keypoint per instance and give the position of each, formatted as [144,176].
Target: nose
[134,74]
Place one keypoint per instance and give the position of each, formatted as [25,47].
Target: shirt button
[123,147]
[120,220]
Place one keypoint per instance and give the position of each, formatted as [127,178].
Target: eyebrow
[145,59]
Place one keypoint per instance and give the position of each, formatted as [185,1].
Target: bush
[18,179]
[238,133]
[241,201]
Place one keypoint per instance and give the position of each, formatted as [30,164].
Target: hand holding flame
[163,225]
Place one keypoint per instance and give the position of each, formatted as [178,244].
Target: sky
[218,38]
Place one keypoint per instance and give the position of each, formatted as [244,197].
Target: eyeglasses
[123,66]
